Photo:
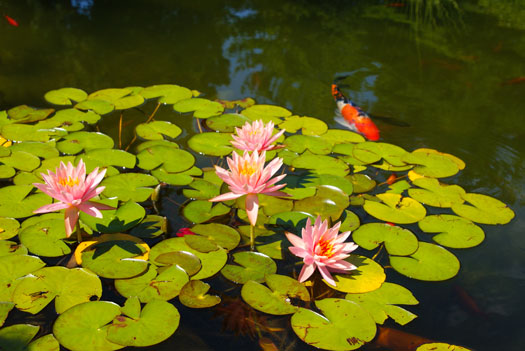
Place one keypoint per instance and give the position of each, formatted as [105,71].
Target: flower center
[254,132]
[247,169]
[68,181]
[325,248]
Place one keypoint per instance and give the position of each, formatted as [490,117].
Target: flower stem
[79,233]
[252,239]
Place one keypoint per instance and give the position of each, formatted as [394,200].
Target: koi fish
[352,117]
[394,339]
[11,21]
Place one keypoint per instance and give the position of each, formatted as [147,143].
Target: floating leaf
[202,190]
[328,201]
[43,150]
[370,152]
[118,220]
[381,303]
[321,164]
[172,160]
[399,187]
[11,248]
[24,132]
[275,299]
[181,178]
[129,101]
[308,125]
[484,209]
[211,262]
[6,172]
[8,228]
[431,164]
[45,238]
[397,240]
[368,276]
[266,113]
[350,222]
[343,325]
[156,129]
[17,337]
[76,142]
[340,136]
[26,114]
[13,267]
[107,157]
[168,93]
[5,308]
[44,343]
[185,260]
[361,182]
[436,194]
[250,266]
[201,211]
[292,220]
[299,143]
[21,160]
[195,295]
[101,107]
[151,227]
[203,108]
[65,96]
[455,232]
[439,346]
[218,234]
[213,144]
[70,119]
[150,143]
[430,262]
[457,161]
[227,122]
[16,202]
[129,186]
[396,209]
[85,326]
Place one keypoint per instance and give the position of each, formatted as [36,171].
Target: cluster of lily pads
[332,173]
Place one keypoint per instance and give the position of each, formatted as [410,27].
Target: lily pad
[12,248]
[340,136]
[43,150]
[151,227]
[185,260]
[328,201]
[212,262]
[200,211]
[396,209]
[101,107]
[70,119]
[212,144]
[156,129]
[195,295]
[431,164]
[321,164]
[16,202]
[157,322]
[24,132]
[350,221]
[118,220]
[5,308]
[65,96]
[85,327]
[371,152]
[181,178]
[129,186]
[147,144]
[381,303]
[368,276]
[227,122]
[218,234]
[435,194]
[44,343]
[274,299]
[343,325]
[440,346]
[13,267]
[457,161]
[266,113]
[202,190]
[430,262]
[76,142]
[45,238]
[453,231]
[361,182]
[172,160]
[17,337]
[8,228]
[307,125]
[168,93]
[26,114]
[21,160]
[201,108]
[397,240]
[299,143]
[291,221]
[250,266]
[483,209]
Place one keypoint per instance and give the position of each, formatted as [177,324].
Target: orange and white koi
[352,117]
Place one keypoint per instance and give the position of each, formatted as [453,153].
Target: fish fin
[345,123]
[338,113]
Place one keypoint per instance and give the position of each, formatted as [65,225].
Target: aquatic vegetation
[152,254]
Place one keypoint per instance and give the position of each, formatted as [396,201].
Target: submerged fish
[11,21]
[352,117]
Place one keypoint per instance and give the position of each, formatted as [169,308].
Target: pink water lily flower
[256,137]
[321,247]
[70,186]
[248,176]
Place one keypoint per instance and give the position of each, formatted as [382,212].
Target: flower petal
[252,208]
[70,220]
[57,206]
[226,197]
[306,272]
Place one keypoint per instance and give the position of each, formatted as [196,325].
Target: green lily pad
[291,221]
[16,202]
[13,267]
[439,346]
[151,227]
[168,93]
[301,186]
[340,136]
[396,209]
[430,262]
[212,144]
[199,211]
[156,129]
[397,240]
[350,222]
[5,308]
[76,142]
[24,132]
[12,248]
[453,231]
[26,114]
[70,119]
[17,337]
[85,326]
[181,178]
[328,201]
[274,299]
[8,228]
[101,107]
[115,259]
[157,322]
[434,193]
[185,260]
[307,125]
[131,307]
[328,179]
[172,160]
[107,157]
[128,102]
[51,164]
[381,303]
[218,234]
[43,150]
[129,186]
[212,262]
[368,276]
[195,295]
[44,343]
[321,164]
[287,156]
[227,122]
[399,187]
[110,95]
[154,284]
[115,221]
[202,190]
[21,160]
[150,143]
[431,164]
[266,113]
[457,161]
[203,108]
[25,178]
[483,209]
[45,238]
[65,96]
[250,266]
[343,325]
[6,172]
[361,182]
[371,152]
[299,143]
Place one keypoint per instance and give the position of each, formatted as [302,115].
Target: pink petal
[306,272]
[294,240]
[326,275]
[252,208]
[93,208]
[52,207]
[70,220]
[226,197]
[298,251]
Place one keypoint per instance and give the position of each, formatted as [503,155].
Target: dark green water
[448,74]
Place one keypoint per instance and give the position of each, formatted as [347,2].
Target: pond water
[452,73]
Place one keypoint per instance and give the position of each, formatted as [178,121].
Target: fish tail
[337,94]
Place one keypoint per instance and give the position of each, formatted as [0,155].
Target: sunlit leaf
[156,129]
[453,231]
[441,347]
[172,160]
[299,143]
[13,267]
[307,125]
[250,266]
[12,248]
[76,142]
[397,240]
[17,337]
[340,136]
[483,209]
[368,276]
[65,96]
[45,238]
[24,132]
[118,220]
[26,114]
[266,113]
[212,144]
[168,93]
[101,107]
[328,201]
[8,228]
[227,122]
[370,152]
[129,186]
[361,182]
[434,193]
[431,164]
[5,308]
[195,295]
[321,164]
[43,150]
[16,202]
[219,234]
[200,211]
[395,208]
[201,108]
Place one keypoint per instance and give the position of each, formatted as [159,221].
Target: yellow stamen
[325,248]
[247,169]
[68,181]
